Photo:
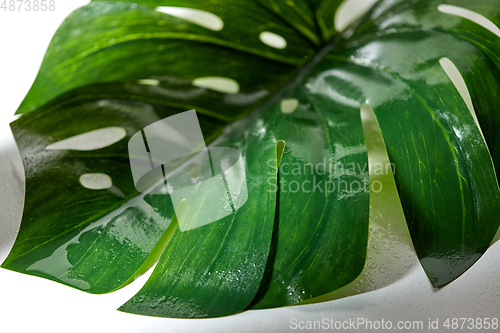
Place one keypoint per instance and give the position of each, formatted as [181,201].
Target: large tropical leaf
[303,231]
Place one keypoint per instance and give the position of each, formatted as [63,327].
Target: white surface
[33,304]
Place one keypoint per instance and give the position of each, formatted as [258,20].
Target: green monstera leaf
[274,80]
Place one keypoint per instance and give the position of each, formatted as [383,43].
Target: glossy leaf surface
[316,205]
[119,64]
[215,270]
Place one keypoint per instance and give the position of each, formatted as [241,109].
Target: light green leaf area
[303,231]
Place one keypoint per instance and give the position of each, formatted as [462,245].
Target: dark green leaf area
[94,240]
[323,207]
[215,270]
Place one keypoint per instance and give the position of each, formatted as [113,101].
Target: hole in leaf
[91,140]
[273,40]
[454,74]
[149,82]
[96,181]
[202,18]
[289,105]
[220,84]
[471,16]
[349,11]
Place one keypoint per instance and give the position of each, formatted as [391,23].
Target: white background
[401,289]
